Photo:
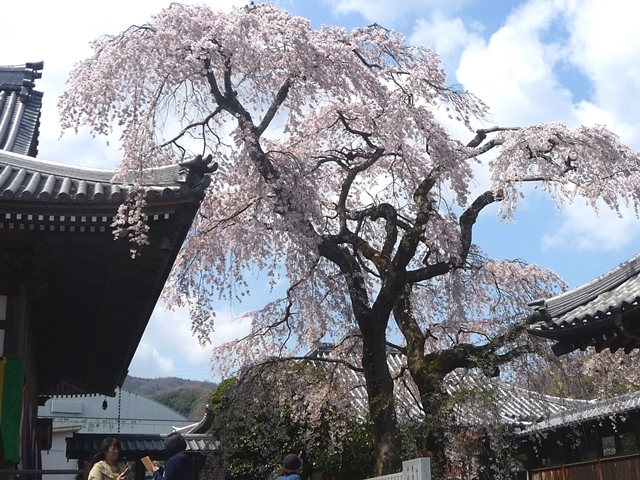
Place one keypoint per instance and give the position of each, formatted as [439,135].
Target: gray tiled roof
[20,106]
[589,310]
[71,210]
[134,446]
[589,411]
[526,411]
[200,442]
[82,444]
[201,427]
[595,299]
[23,178]
[510,404]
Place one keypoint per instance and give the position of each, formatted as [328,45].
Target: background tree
[185,401]
[280,407]
[188,397]
[338,176]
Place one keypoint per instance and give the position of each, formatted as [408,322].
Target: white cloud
[519,71]
[605,45]
[58,32]
[513,72]
[148,362]
[168,347]
[446,36]
[582,230]
[591,114]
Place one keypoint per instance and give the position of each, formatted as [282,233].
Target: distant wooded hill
[187,397]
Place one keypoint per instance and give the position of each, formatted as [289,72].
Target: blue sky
[530,61]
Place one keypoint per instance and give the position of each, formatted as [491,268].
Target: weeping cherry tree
[337,178]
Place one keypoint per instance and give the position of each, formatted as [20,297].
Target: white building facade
[126,413]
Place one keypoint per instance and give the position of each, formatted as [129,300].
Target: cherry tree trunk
[381,403]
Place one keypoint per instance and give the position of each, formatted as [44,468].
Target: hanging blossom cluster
[607,374]
[482,300]
[131,222]
[589,162]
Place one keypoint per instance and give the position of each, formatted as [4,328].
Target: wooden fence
[618,468]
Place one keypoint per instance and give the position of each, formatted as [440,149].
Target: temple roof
[20,106]
[134,446]
[201,427]
[602,313]
[89,300]
[25,179]
[198,437]
[587,411]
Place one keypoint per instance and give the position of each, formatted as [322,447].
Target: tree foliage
[277,408]
[184,400]
[191,395]
[338,177]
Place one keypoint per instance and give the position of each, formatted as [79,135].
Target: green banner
[11,408]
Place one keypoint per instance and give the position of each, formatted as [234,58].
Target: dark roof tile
[63,215]
[513,405]
[23,178]
[592,301]
[134,446]
[590,311]
[20,107]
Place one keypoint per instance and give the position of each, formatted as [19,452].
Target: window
[628,442]
[608,446]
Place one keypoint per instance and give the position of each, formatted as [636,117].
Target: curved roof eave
[27,179]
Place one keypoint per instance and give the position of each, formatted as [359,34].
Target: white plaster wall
[125,413]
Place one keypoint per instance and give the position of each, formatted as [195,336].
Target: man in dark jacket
[179,465]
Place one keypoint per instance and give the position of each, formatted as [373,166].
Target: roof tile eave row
[567,301]
[590,411]
[27,179]
[615,290]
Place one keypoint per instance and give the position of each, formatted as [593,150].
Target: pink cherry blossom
[337,180]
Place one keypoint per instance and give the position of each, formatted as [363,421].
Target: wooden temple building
[601,439]
[73,302]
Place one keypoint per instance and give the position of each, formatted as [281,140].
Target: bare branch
[275,105]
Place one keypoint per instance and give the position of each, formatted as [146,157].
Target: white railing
[416,469]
